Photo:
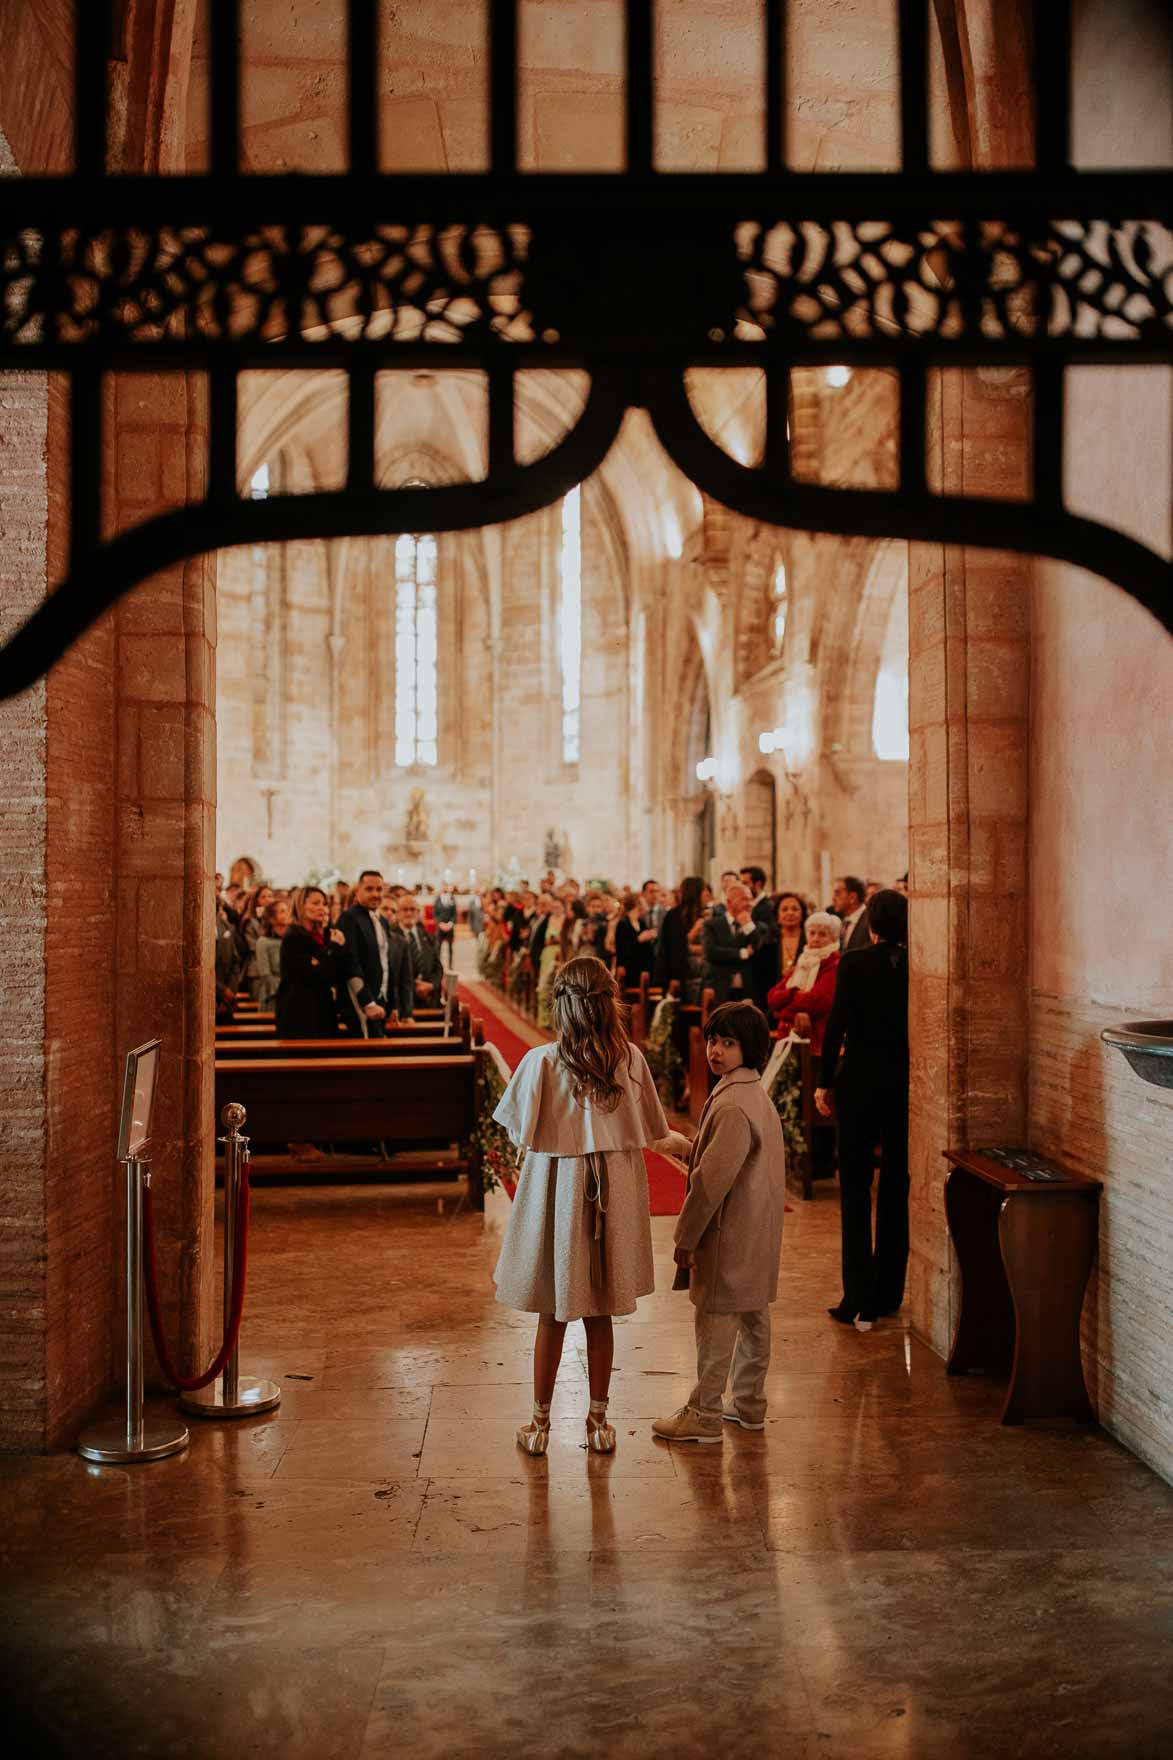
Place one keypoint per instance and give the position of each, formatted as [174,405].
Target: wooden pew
[648,997]
[246,1011]
[812,1119]
[241,1031]
[257,1050]
[410,1102]
[700,1076]
[629,996]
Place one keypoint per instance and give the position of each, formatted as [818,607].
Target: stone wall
[334,794]
[1101,847]
[23,838]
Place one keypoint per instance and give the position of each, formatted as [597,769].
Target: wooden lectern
[1025,1231]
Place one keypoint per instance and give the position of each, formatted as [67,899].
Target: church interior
[561,716]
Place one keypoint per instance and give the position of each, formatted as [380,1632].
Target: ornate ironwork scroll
[635,276]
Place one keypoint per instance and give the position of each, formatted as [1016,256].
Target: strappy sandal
[534,1437]
[600,1434]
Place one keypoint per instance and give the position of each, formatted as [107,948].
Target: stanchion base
[108,1442]
[253,1396]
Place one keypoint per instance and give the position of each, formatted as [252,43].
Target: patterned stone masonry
[968,800]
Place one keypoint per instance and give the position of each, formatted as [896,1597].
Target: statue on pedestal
[417,822]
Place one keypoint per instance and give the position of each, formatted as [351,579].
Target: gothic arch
[887,576]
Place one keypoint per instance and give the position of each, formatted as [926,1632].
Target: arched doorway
[760,834]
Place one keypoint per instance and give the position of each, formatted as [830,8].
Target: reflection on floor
[375,1570]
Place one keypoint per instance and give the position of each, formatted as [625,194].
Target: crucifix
[268,793]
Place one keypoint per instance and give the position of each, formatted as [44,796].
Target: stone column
[968,796]
[23,836]
[165,827]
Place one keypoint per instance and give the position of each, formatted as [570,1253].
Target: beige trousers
[744,1340]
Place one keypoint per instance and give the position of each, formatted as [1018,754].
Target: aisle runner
[513,1036]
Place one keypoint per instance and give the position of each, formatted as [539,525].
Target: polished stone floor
[375,1570]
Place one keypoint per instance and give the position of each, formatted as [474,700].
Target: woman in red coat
[802,1000]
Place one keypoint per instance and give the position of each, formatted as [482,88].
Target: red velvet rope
[189,1384]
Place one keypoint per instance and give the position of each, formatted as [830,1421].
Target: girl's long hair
[248,906]
[592,1035]
[691,900]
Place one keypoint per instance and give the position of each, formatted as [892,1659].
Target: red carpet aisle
[513,1036]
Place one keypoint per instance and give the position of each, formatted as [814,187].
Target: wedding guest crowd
[361,959]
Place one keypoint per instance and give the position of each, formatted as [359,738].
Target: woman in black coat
[678,950]
[869,1022]
[633,954]
[310,971]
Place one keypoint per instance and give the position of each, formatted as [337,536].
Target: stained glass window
[570,626]
[416,730]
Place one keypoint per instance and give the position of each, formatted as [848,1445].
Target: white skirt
[556,1258]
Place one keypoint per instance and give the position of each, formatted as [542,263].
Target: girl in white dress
[578,1245]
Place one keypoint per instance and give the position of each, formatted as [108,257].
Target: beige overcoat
[732,1214]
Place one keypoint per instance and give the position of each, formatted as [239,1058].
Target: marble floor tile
[139,1601]
[190,1700]
[348,1452]
[312,1402]
[376,1570]
[603,1512]
[486,1448]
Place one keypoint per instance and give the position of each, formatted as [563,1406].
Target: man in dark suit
[869,1023]
[731,938]
[652,910]
[446,923]
[763,967]
[537,928]
[849,905]
[426,965]
[375,964]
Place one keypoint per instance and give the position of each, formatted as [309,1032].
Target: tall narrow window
[890,703]
[415,650]
[258,487]
[779,604]
[570,626]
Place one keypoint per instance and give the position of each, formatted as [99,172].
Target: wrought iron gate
[634,276]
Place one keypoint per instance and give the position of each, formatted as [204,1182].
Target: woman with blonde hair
[578,1245]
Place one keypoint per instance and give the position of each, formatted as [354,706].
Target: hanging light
[706,770]
[838,377]
[773,741]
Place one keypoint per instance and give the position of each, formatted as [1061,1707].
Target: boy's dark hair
[756,876]
[746,1023]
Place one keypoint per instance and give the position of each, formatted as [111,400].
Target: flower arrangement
[498,1158]
[786,1094]
[326,877]
[663,1054]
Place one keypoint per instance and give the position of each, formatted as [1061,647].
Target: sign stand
[135,1438]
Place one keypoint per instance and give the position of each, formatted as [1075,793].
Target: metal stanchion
[136,1438]
[233,1395]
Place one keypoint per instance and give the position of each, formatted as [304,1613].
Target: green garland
[786,1093]
[498,1156]
[663,1054]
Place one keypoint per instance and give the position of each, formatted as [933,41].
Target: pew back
[405,1102]
[407,1045]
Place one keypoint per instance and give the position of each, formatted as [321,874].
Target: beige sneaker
[731,1415]
[688,1425]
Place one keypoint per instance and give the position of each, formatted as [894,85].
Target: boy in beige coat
[729,1232]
